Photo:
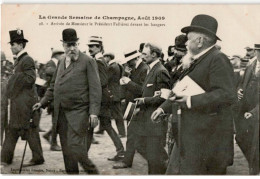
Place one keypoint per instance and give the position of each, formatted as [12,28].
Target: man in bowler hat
[22,94]
[206,128]
[76,91]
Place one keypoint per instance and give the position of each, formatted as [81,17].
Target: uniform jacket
[114,74]
[106,93]
[157,78]
[21,90]
[77,90]
[208,124]
[134,87]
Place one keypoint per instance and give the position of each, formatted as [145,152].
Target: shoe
[89,167]
[99,132]
[41,130]
[3,164]
[121,136]
[121,165]
[116,158]
[55,147]
[33,163]
[94,141]
[47,137]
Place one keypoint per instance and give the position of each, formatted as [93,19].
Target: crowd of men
[81,91]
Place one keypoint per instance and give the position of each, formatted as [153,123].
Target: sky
[238,26]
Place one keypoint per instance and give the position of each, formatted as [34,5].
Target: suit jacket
[106,93]
[77,90]
[250,99]
[134,87]
[156,79]
[209,118]
[22,92]
[114,74]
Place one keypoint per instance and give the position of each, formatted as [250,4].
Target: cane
[179,134]
[21,166]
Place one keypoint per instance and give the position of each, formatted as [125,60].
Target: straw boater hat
[257,47]
[95,40]
[203,23]
[17,36]
[130,55]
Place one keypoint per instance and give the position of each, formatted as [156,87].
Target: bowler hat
[69,35]
[111,55]
[257,47]
[203,23]
[180,42]
[17,36]
[95,40]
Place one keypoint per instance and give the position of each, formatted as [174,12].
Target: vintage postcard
[67,67]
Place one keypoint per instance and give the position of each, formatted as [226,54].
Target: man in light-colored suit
[76,91]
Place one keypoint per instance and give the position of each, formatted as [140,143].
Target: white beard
[186,61]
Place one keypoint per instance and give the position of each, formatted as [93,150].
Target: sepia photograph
[130,89]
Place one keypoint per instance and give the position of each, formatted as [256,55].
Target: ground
[98,154]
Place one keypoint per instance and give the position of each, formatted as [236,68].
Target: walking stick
[179,134]
[21,166]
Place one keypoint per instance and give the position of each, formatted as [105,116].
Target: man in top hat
[152,133]
[51,65]
[247,121]
[133,85]
[76,91]
[21,91]
[115,72]
[96,50]
[206,128]
[180,50]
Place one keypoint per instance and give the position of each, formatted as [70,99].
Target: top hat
[111,55]
[56,51]
[131,55]
[180,42]
[95,40]
[257,47]
[17,36]
[69,36]
[203,23]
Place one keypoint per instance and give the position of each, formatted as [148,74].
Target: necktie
[67,62]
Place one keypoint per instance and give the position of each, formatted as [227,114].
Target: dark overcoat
[22,92]
[77,90]
[207,127]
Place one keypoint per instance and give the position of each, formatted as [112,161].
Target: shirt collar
[20,53]
[111,61]
[153,63]
[98,55]
[55,61]
[202,53]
